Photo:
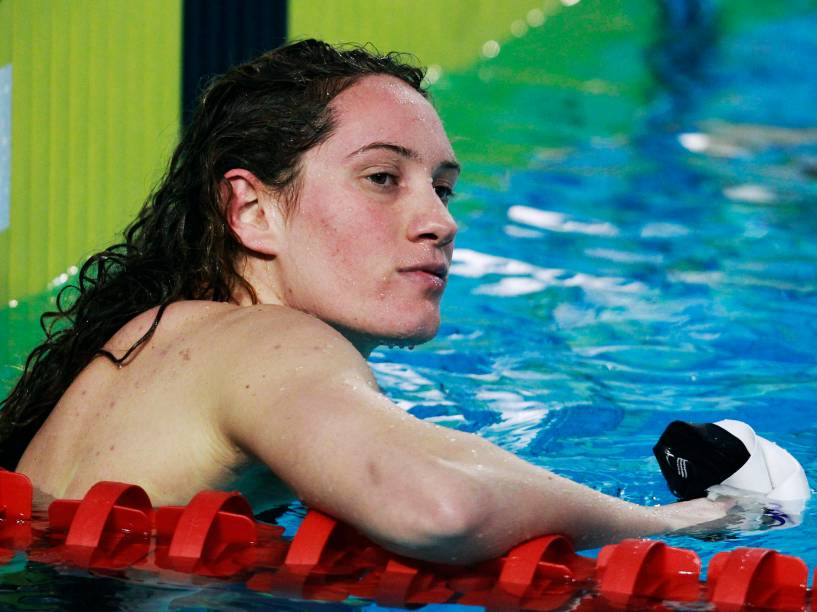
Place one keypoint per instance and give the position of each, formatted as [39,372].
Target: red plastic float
[109,528]
[16,494]
[309,544]
[209,536]
[759,578]
[647,569]
[114,526]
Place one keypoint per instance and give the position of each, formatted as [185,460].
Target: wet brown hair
[261,116]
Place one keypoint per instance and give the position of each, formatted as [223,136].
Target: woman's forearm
[423,490]
[503,500]
[533,501]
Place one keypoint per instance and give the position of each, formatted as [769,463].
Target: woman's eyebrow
[404,152]
[395,148]
[450,165]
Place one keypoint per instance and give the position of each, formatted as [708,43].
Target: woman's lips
[432,277]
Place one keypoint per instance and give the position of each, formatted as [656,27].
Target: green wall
[94,113]
[96,101]
[96,88]
[449,33]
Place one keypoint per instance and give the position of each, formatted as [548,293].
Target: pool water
[609,281]
[613,284]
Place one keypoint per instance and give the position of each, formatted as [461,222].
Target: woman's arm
[317,419]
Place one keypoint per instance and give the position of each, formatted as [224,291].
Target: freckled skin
[374,475]
[340,259]
[336,278]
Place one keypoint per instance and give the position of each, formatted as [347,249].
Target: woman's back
[150,422]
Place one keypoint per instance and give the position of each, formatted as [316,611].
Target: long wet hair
[261,116]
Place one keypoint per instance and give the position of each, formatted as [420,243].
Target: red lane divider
[309,543]
[208,536]
[757,577]
[114,526]
[109,528]
[647,569]
[16,494]
[539,574]
[394,586]
[550,557]
[408,582]
[325,557]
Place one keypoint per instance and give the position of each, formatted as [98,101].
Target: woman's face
[369,244]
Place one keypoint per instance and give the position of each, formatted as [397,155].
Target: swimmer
[302,222]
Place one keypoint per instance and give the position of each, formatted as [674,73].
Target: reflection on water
[614,283]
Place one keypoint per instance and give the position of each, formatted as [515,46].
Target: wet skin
[223,388]
[365,249]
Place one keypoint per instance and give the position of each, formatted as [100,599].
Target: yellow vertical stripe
[6,44]
[95,112]
[77,90]
[95,125]
[22,114]
[57,75]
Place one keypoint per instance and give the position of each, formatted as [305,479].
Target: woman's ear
[252,211]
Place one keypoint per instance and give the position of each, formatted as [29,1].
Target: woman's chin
[407,334]
[417,335]
[409,341]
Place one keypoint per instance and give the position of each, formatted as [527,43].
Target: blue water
[610,285]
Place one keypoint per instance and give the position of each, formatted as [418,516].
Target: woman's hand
[698,516]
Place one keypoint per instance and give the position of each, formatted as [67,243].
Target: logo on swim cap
[693,457]
[680,463]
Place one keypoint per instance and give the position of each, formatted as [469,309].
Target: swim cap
[694,457]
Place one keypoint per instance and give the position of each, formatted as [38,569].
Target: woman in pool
[302,222]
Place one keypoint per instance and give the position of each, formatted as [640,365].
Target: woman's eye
[444,193]
[383,178]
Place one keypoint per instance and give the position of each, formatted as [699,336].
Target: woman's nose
[433,222]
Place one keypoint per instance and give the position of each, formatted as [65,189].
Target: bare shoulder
[221,345]
[269,359]
[238,364]
[267,336]
[253,358]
